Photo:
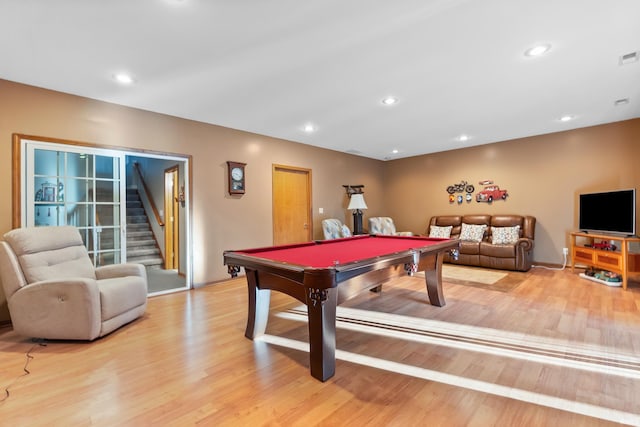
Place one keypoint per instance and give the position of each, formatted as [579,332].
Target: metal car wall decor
[488,194]
[491,193]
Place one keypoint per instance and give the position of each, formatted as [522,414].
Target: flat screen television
[611,212]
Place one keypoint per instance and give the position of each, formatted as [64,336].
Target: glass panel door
[79,186]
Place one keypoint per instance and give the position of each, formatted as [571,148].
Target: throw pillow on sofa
[472,232]
[505,235]
[440,232]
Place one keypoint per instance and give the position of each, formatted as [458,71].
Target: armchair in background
[385,225]
[334,229]
[53,290]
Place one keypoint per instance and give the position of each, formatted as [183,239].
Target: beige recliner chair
[385,225]
[54,291]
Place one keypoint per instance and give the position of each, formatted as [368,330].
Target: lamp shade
[357,202]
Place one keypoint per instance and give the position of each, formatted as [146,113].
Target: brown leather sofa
[491,251]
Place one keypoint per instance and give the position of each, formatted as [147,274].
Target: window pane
[108,244]
[48,214]
[79,215]
[108,215]
[45,162]
[107,191]
[107,167]
[79,165]
[107,239]
[78,190]
[46,189]
[108,258]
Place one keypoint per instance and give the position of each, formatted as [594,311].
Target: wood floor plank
[480,360]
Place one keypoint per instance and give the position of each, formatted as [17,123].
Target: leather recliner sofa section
[495,241]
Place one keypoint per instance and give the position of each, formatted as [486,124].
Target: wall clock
[236,177]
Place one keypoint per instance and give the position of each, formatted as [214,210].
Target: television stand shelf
[620,261]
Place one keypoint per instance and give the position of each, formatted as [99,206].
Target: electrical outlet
[565,251]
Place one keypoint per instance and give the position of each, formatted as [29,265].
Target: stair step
[144,259]
[136,219]
[137,227]
[139,244]
[142,252]
[147,262]
[135,211]
[136,236]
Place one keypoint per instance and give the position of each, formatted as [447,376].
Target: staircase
[142,247]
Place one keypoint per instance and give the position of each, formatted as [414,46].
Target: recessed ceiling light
[537,50]
[463,138]
[566,118]
[629,58]
[395,151]
[309,128]
[389,100]
[123,78]
[619,102]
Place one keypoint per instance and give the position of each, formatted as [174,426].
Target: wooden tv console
[620,261]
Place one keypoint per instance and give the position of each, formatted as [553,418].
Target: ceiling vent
[629,58]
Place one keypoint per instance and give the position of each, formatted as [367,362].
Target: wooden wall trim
[16,167]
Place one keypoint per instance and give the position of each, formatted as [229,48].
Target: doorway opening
[154,221]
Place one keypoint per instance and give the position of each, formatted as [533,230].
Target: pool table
[323,274]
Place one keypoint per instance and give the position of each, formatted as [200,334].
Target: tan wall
[219,221]
[543,174]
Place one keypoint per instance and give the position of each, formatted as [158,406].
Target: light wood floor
[548,352]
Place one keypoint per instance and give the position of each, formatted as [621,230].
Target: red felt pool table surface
[327,253]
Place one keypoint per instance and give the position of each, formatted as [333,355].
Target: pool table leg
[433,280]
[321,309]
[258,314]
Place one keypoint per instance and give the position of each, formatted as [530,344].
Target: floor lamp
[356,203]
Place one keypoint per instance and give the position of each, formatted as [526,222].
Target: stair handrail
[156,214]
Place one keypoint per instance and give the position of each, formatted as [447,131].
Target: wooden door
[171,220]
[291,205]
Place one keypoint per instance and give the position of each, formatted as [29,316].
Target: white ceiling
[271,66]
